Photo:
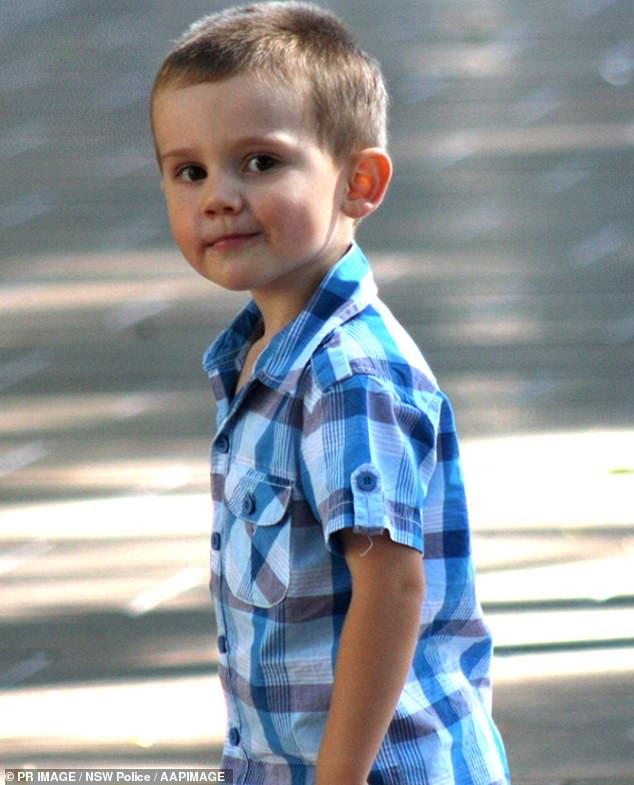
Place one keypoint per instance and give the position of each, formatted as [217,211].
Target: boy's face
[254,202]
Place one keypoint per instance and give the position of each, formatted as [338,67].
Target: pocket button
[249,504]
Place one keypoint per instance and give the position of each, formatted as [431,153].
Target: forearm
[373,660]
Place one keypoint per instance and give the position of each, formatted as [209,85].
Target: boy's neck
[281,305]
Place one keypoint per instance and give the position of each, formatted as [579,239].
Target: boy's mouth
[232,241]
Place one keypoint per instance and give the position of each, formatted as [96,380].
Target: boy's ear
[369,175]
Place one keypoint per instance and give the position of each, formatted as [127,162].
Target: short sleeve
[367,459]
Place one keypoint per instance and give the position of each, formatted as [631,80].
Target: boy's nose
[220,196]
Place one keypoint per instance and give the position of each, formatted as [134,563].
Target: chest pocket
[257,550]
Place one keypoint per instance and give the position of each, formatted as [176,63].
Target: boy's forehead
[243,98]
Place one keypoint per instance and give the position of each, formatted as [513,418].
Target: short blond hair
[294,43]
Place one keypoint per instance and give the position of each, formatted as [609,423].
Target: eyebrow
[278,140]
[179,153]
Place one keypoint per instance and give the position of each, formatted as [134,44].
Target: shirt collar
[345,291]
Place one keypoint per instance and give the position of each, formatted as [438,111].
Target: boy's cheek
[293,219]
[182,237]
[178,216]
[181,228]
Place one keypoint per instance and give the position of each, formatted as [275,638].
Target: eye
[191,173]
[257,164]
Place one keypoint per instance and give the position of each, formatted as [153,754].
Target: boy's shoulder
[373,344]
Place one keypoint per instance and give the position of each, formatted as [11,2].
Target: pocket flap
[255,497]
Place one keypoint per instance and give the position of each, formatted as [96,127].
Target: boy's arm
[374,657]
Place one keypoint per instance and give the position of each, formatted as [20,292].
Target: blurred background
[506,246]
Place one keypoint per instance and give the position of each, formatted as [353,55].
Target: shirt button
[366,481]
[249,504]
[216,540]
[234,737]
[222,443]
[222,645]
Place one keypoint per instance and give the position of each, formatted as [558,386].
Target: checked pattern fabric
[341,425]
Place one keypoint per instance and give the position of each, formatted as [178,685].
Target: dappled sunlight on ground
[139,713]
[580,479]
[505,246]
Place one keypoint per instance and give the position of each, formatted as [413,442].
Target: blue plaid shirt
[341,425]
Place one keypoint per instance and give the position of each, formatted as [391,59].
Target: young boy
[351,645]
